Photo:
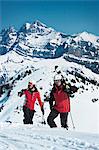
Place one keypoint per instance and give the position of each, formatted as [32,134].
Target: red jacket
[30,99]
[62,101]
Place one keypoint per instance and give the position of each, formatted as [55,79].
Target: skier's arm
[40,102]
[51,99]
[21,92]
[70,89]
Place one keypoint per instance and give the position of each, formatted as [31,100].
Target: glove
[42,109]
[74,89]
[20,94]
[51,107]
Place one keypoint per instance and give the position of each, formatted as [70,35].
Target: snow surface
[87,37]
[27,137]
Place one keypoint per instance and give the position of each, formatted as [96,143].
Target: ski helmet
[58,77]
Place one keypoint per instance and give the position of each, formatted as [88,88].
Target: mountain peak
[10,29]
[38,23]
[25,26]
[85,36]
[84,33]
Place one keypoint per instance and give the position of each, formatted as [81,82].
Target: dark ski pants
[63,118]
[28,115]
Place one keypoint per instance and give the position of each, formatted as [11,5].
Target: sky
[65,16]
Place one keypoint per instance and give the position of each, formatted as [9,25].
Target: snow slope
[87,37]
[27,137]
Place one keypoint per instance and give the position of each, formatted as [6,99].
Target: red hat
[31,83]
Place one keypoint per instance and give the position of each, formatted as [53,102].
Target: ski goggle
[57,81]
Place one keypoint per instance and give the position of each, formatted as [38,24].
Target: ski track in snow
[19,137]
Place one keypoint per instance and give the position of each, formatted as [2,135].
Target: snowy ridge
[36,39]
[85,36]
[12,63]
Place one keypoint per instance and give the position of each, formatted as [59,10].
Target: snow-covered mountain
[36,39]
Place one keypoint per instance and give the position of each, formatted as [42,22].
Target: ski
[95,99]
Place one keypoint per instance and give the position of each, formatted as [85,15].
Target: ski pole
[43,119]
[72,120]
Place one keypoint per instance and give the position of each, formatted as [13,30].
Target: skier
[31,94]
[60,96]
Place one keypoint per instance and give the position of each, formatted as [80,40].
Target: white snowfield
[87,37]
[27,137]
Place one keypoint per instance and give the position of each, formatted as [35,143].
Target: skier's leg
[63,119]
[50,120]
[31,116]
[26,111]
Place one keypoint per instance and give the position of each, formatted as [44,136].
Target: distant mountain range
[38,40]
